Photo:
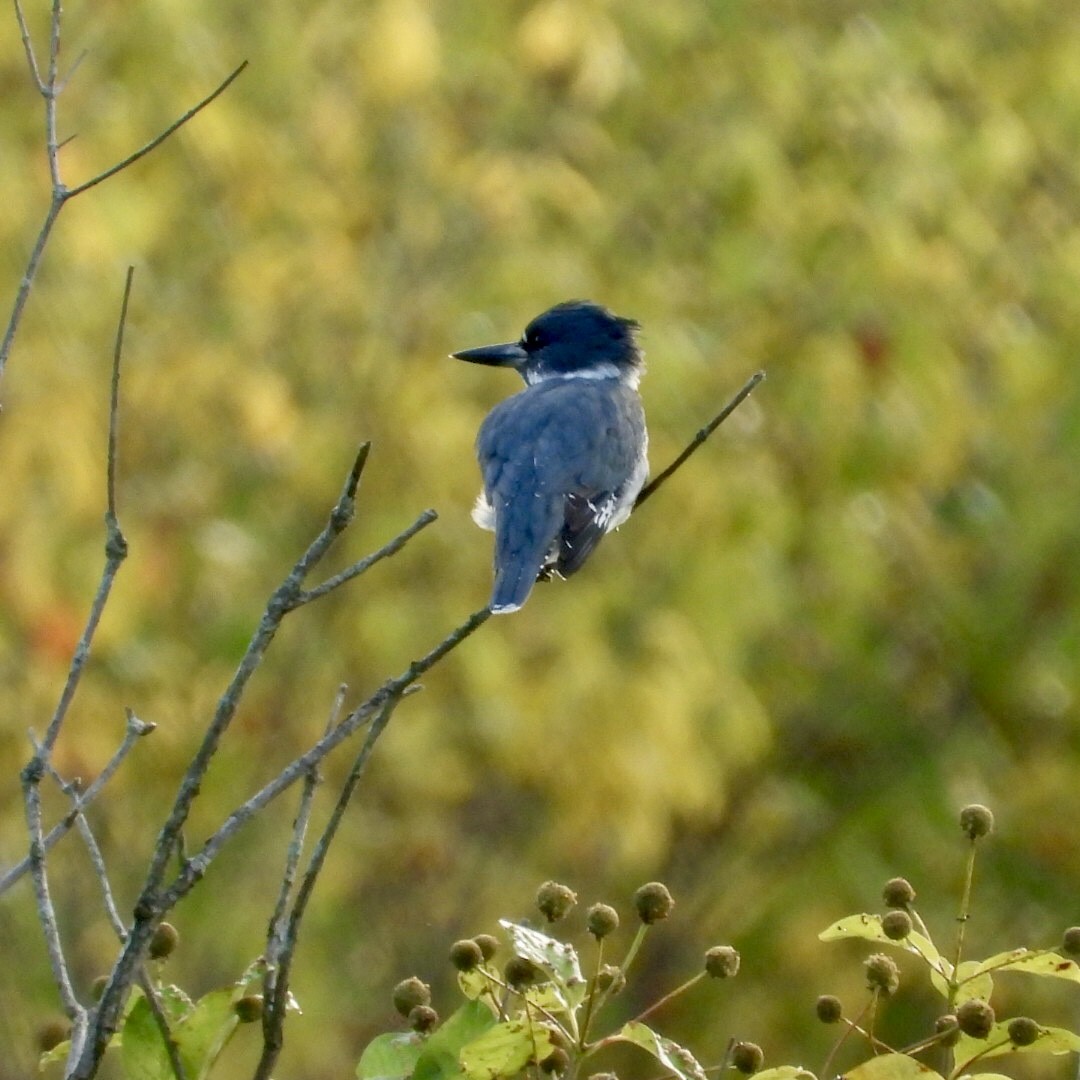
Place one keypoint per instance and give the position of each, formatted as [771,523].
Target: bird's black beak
[511,354]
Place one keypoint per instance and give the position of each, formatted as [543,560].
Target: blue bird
[563,460]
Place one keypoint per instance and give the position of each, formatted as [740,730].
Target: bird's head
[575,339]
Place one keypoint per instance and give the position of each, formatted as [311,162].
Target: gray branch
[50,86]
[136,729]
[695,444]
[154,902]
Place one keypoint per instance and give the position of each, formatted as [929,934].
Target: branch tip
[358,468]
[747,388]
[158,139]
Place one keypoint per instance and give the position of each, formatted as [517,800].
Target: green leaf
[1034,962]
[440,1056]
[558,959]
[505,1049]
[474,983]
[549,997]
[1050,1041]
[203,1033]
[390,1056]
[175,1004]
[892,1067]
[61,1051]
[785,1072]
[142,1049]
[868,928]
[675,1057]
[58,1053]
[972,983]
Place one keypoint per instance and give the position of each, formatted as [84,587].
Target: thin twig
[115,546]
[31,777]
[650,488]
[50,89]
[28,46]
[98,862]
[275,935]
[62,85]
[136,729]
[362,565]
[23,292]
[153,903]
[153,999]
[196,866]
[275,938]
[155,142]
[50,93]
[71,789]
[276,996]
[114,401]
[40,763]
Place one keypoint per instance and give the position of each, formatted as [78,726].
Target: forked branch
[50,85]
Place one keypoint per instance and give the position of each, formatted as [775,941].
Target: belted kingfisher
[564,459]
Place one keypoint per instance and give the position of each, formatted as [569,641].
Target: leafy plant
[968,1032]
[538,1011]
[166,1034]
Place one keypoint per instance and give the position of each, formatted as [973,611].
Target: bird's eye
[531,339]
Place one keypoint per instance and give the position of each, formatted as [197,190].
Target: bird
[564,459]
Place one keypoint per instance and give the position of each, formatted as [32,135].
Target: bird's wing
[525,513]
[556,460]
[591,457]
[584,523]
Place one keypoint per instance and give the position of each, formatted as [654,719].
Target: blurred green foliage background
[853,611]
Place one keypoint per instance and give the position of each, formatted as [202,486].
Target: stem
[650,488]
[669,996]
[852,1026]
[965,914]
[590,1000]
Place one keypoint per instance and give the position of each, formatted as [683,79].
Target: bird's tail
[512,588]
[523,537]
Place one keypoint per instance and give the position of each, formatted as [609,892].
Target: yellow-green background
[853,611]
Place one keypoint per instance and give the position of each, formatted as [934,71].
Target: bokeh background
[855,610]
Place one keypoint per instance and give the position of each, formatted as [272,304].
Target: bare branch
[361,565]
[284,599]
[28,46]
[394,688]
[31,780]
[276,986]
[40,764]
[114,402]
[51,94]
[115,551]
[136,729]
[276,934]
[154,904]
[50,89]
[71,789]
[23,292]
[155,142]
[98,862]
[650,488]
